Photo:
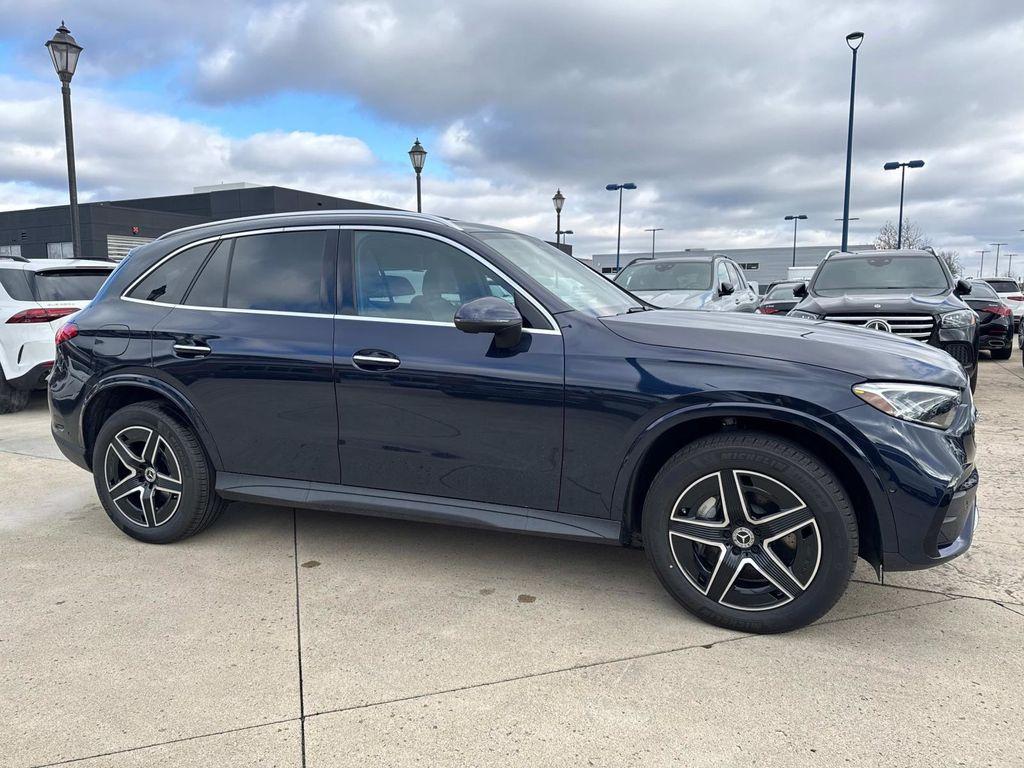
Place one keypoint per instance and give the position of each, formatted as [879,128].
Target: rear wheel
[750,532]
[152,475]
[1004,353]
[12,400]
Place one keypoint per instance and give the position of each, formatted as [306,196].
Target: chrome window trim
[553,331]
[331,212]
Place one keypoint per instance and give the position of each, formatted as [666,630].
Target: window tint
[419,278]
[782,291]
[208,290]
[168,282]
[1004,286]
[15,282]
[283,272]
[69,285]
[870,274]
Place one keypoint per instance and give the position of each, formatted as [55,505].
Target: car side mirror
[800,291]
[491,315]
[962,287]
[726,289]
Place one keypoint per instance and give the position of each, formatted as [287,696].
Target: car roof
[48,265]
[674,259]
[881,252]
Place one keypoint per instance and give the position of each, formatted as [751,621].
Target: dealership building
[111,229]
[762,265]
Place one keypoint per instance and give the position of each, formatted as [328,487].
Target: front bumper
[930,480]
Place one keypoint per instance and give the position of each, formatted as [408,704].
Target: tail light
[41,314]
[998,309]
[67,332]
[768,310]
[1016,298]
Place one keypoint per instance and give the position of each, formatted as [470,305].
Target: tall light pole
[997,247]
[618,237]
[854,39]
[981,269]
[795,218]
[559,201]
[903,178]
[1009,269]
[418,156]
[653,231]
[64,52]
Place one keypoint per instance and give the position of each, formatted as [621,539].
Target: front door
[428,409]
[251,346]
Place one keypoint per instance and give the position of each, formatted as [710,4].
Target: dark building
[111,229]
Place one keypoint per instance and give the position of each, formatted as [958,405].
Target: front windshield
[666,276]
[917,273]
[577,285]
[783,291]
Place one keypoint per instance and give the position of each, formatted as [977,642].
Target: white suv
[35,299]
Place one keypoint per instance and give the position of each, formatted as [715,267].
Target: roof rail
[12,257]
[929,249]
[832,252]
[318,214]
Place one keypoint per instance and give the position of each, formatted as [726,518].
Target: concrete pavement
[283,638]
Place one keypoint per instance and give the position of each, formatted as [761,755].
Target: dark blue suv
[409,366]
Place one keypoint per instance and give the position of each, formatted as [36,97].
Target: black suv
[909,293]
[410,366]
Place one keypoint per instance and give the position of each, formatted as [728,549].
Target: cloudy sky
[727,115]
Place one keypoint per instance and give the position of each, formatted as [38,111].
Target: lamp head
[854,39]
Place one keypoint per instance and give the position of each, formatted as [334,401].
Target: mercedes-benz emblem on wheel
[878,324]
[743,538]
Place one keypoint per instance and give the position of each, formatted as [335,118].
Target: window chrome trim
[553,331]
[342,212]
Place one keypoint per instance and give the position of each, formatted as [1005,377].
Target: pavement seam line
[165,743]
[298,636]
[1007,607]
[936,592]
[609,662]
[31,455]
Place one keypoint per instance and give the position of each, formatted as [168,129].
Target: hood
[675,299]
[882,303]
[871,354]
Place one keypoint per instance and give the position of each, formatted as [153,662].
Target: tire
[1004,353]
[12,400]
[784,486]
[153,476]
[974,378]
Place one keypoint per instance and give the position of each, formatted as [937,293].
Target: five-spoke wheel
[750,531]
[143,476]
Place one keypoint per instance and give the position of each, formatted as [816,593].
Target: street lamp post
[903,178]
[562,233]
[418,156]
[653,231]
[559,201]
[854,39]
[64,52]
[997,247]
[618,237]
[795,218]
[981,269]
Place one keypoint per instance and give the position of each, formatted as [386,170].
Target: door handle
[375,360]
[192,350]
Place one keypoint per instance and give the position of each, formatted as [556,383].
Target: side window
[411,277]
[168,282]
[15,282]
[281,271]
[722,274]
[737,277]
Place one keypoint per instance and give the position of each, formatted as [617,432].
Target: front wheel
[750,532]
[152,475]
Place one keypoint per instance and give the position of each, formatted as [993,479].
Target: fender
[634,458]
[165,389]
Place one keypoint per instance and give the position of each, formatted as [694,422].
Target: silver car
[708,282]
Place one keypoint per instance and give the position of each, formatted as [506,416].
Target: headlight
[961,318]
[804,315]
[919,403]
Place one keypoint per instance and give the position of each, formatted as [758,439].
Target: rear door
[251,346]
[425,408]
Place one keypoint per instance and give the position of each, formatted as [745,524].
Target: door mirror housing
[726,289]
[800,290]
[962,287]
[490,314]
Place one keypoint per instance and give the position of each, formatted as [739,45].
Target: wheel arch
[118,391]
[672,432]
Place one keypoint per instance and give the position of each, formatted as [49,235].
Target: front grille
[909,326]
[962,352]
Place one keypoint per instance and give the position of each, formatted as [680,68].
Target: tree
[913,237]
[952,259]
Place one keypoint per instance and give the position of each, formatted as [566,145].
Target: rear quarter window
[15,283]
[167,283]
